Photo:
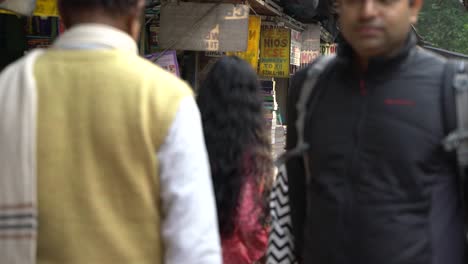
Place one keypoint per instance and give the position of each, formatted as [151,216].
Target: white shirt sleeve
[189,224]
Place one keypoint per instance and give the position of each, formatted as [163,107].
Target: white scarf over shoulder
[18,201]
[18,115]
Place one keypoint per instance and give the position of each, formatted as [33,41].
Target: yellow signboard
[43,8]
[251,55]
[46,8]
[275,48]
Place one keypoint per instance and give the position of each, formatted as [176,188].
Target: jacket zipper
[362,87]
[353,170]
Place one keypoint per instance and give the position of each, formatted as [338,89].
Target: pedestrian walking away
[102,156]
[240,156]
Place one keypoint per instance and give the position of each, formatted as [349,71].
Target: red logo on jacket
[399,102]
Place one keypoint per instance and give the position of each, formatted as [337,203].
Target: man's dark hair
[114,6]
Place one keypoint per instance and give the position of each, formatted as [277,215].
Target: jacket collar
[96,36]
[346,54]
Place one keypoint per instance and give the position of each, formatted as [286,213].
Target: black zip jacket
[382,189]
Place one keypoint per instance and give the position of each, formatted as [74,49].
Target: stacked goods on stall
[149,43]
[20,32]
[270,106]
[41,31]
[40,18]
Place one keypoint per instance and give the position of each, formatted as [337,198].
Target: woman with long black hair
[239,150]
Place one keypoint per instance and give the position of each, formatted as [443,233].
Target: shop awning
[266,7]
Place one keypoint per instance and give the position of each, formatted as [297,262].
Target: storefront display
[166,60]
[41,31]
[270,106]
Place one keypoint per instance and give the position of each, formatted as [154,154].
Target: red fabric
[249,241]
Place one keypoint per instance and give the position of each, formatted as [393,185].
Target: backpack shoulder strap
[457,140]
[313,74]
[308,87]
[283,246]
[449,114]
[457,122]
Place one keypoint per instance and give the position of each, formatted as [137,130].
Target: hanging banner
[204,26]
[275,48]
[251,55]
[328,49]
[310,49]
[26,7]
[46,8]
[296,44]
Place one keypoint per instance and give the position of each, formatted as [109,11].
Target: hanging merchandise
[41,32]
[269,105]
[41,26]
[152,28]
[275,48]
[153,40]
[310,49]
[296,44]
[252,53]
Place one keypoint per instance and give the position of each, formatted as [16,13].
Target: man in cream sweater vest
[102,157]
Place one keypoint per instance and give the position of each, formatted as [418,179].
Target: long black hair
[236,136]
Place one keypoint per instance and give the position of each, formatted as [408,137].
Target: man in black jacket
[382,189]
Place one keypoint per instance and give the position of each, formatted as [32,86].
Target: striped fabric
[17,222]
[280,244]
